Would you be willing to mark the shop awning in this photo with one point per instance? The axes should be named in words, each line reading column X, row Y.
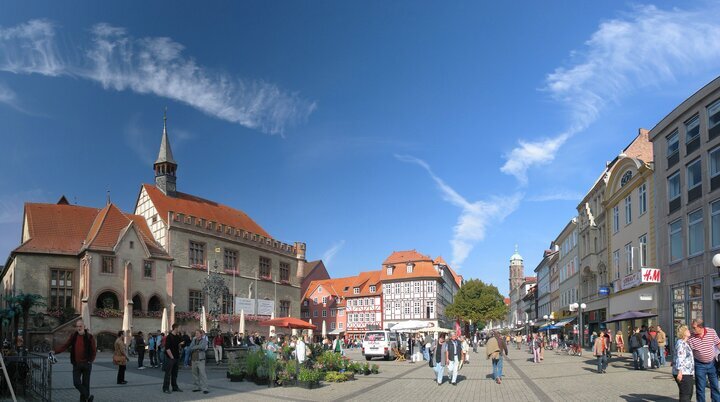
column 630, row 315
column 565, row 322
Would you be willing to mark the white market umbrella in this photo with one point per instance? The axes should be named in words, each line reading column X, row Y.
column 294, row 332
column 203, row 320
column 324, row 330
column 164, row 322
column 85, row 314
column 409, row 325
column 242, row 322
column 127, row 320
column 310, row 331
column 272, row 327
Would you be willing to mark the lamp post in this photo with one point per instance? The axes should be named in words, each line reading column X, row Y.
column 580, row 307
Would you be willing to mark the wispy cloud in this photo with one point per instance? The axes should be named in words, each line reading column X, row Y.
column 562, row 195
column 643, row 48
column 153, row 65
column 475, row 217
column 330, row 253
column 7, row 95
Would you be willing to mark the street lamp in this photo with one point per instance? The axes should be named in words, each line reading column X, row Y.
column 582, row 306
column 716, row 261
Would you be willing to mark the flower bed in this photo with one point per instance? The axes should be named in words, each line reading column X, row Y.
column 108, row 313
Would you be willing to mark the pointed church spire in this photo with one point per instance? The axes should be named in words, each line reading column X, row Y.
column 165, row 165
column 165, row 154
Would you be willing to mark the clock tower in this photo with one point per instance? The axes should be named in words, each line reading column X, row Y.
column 517, row 270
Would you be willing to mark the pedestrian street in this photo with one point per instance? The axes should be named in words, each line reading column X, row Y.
column 557, row 378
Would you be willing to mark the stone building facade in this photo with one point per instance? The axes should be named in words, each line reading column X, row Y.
column 204, row 235
column 101, row 260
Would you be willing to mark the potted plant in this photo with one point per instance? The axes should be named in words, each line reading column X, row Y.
column 366, row 369
column 334, row 376
column 262, row 375
column 309, row 378
column 272, row 366
column 287, row 373
column 375, row 369
column 236, row 372
column 252, row 361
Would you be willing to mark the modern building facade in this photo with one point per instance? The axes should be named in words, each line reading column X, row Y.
column 686, row 145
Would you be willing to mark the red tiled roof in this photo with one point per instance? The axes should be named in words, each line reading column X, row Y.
column 69, row 229
column 405, row 256
column 507, row 301
column 364, row 281
column 201, row 208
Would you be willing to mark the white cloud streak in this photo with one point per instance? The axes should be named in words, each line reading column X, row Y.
column 153, row 65
column 641, row 49
column 557, row 196
column 475, row 217
column 7, row 95
column 330, row 253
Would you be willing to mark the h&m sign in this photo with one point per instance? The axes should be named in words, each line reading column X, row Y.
column 644, row 275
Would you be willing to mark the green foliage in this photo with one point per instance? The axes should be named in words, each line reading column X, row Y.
column 375, row 369
column 309, row 375
column 21, row 306
column 330, row 361
column 477, row 301
column 316, row 350
column 262, row 372
column 334, row 376
column 366, row 368
column 253, row 361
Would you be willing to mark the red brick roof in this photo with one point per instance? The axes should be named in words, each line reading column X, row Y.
column 69, row 229
column 405, row 256
column 201, row 208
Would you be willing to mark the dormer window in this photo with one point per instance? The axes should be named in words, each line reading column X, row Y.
column 319, row 288
column 346, row 288
column 356, row 291
column 410, row 266
column 372, row 288
column 390, row 269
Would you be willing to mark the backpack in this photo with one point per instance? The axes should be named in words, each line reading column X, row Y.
column 634, row 342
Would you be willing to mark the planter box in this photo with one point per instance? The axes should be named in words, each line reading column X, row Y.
column 289, row 383
column 236, row 377
column 308, row 385
column 261, row 381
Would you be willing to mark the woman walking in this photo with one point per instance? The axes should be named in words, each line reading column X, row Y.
column 683, row 366
column 536, row 345
column 120, row 357
column 600, row 351
column 620, row 343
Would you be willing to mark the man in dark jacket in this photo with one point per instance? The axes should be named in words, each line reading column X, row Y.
column 172, row 356
column 82, row 354
column 140, row 349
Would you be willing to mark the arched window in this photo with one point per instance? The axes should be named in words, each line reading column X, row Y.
column 137, row 303
column 108, row 299
column 155, row 304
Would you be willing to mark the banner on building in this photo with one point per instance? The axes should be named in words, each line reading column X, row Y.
column 264, row 307
column 637, row 278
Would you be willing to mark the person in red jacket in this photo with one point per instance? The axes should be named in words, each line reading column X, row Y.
column 218, row 347
column 82, row 354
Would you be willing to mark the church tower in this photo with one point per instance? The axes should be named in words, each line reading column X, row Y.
column 165, row 166
column 517, row 270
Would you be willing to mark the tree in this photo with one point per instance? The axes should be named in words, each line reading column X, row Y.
column 479, row 302
column 21, row 305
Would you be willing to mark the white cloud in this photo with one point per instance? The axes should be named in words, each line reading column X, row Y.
column 645, row 48
column 7, row 95
column 330, row 253
column 155, row 66
column 475, row 217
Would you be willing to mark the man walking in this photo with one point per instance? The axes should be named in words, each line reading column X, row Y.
column 151, row 351
column 495, row 349
column 172, row 354
column 703, row 343
column 454, row 352
column 600, row 351
column 82, row 355
column 198, row 348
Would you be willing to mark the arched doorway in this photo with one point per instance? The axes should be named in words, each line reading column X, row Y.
column 154, row 304
column 108, row 299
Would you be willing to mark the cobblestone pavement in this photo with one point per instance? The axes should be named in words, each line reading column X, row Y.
column 557, row 378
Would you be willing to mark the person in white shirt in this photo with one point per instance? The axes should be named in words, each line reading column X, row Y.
column 300, row 351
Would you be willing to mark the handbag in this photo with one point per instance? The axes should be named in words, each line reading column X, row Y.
column 119, row 360
column 431, row 362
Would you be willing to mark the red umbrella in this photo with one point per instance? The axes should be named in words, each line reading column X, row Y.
column 288, row 322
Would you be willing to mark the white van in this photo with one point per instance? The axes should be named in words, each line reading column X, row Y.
column 379, row 344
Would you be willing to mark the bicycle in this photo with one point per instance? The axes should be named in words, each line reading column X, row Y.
column 42, row 347
column 575, row 350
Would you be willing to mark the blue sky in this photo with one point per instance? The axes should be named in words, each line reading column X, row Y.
column 357, row 127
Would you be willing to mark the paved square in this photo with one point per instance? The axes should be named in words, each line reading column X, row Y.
column 558, row 378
